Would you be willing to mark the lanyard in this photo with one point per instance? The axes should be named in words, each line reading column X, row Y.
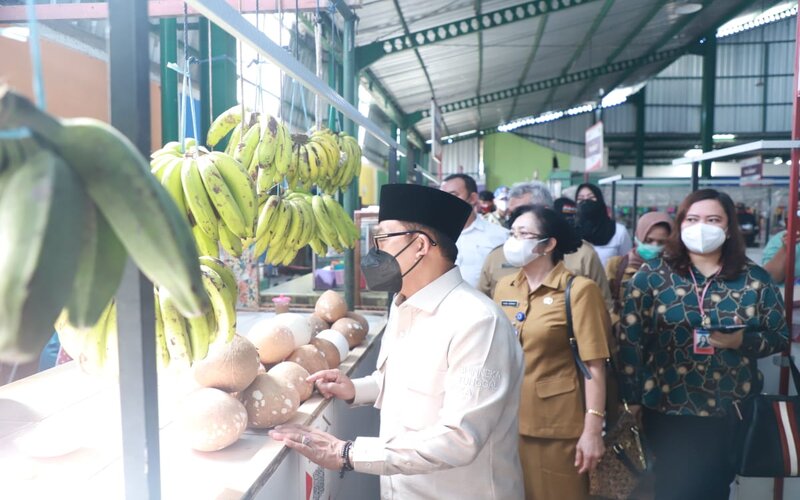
column 701, row 297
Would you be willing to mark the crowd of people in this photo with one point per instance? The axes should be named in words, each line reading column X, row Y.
column 513, row 314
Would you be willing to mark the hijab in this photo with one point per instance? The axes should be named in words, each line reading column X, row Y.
column 643, row 226
column 593, row 222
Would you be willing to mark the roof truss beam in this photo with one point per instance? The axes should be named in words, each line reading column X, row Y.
column 550, row 83
column 368, row 54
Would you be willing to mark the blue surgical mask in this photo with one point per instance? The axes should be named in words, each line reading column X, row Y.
column 648, row 251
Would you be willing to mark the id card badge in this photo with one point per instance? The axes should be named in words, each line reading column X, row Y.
column 701, row 341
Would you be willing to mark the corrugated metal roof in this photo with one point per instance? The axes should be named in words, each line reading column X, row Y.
column 495, row 59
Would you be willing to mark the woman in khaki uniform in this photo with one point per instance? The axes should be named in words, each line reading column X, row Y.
column 561, row 411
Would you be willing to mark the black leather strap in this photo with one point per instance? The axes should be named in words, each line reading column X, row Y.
column 573, row 344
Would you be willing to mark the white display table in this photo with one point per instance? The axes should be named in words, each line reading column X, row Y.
column 60, row 437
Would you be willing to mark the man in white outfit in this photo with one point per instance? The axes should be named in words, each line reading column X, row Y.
column 479, row 236
column 448, row 373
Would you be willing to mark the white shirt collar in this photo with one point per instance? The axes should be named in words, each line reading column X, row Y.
column 429, row 298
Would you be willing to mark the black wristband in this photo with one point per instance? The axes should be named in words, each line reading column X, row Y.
column 346, row 464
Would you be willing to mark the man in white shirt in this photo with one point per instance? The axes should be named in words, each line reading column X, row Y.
column 479, row 237
column 448, row 373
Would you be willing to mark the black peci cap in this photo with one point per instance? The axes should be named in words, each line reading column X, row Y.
column 423, row 205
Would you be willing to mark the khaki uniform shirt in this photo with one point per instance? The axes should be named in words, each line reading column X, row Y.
column 552, row 402
column 447, row 383
column 583, row 262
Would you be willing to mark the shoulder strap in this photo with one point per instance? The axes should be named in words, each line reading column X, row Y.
column 573, row 344
column 622, row 264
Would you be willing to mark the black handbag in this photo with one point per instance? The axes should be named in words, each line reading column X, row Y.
column 771, row 442
column 573, row 344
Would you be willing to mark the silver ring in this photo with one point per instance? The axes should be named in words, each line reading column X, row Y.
column 305, row 440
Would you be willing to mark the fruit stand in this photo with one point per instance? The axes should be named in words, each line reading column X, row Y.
column 60, row 437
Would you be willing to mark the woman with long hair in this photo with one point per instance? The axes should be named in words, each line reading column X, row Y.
column 608, row 237
column 693, row 326
column 561, row 410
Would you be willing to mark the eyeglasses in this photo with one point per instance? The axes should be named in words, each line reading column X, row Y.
column 378, row 237
column 523, row 235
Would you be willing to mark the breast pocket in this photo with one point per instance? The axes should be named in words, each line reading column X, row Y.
column 551, row 407
column 423, row 399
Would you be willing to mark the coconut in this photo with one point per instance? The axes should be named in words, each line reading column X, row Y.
column 361, row 320
column 228, row 366
column 338, row 340
column 317, row 324
column 269, row 401
column 309, row 358
column 328, row 351
column 298, row 324
column 295, row 376
column 331, row 306
column 273, row 341
column 351, row 329
column 211, row 420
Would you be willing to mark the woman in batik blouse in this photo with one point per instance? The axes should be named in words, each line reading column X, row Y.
column 693, row 326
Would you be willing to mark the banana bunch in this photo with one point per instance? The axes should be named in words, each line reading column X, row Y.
column 351, row 166
column 76, row 199
column 215, row 193
column 316, row 159
column 180, row 341
column 288, row 223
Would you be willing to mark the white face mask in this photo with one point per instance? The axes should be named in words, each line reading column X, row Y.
column 519, row 253
column 703, row 238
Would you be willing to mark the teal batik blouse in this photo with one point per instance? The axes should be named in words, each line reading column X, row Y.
column 658, row 367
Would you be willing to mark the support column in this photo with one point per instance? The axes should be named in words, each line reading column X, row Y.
column 224, row 80
column 350, row 84
column 708, row 99
column 168, row 43
column 129, row 83
column 639, row 103
column 204, row 77
column 404, row 161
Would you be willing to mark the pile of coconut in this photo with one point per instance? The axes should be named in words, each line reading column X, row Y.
column 259, row 380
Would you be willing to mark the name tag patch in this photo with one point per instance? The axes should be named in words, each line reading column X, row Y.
column 509, row 303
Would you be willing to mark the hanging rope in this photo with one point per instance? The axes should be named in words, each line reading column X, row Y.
column 36, row 55
column 182, row 107
column 241, row 83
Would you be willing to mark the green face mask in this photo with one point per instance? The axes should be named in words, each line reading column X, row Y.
column 648, row 251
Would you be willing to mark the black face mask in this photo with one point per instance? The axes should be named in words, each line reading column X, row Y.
column 590, row 208
column 382, row 271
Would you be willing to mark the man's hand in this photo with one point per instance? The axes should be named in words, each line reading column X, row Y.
column 333, row 383
column 319, row 447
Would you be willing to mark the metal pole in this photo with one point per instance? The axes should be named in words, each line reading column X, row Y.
column 332, row 83
column 791, row 228
column 168, row 43
column 318, row 66
column 351, row 196
column 695, row 176
column 639, row 102
column 129, row 65
column 614, row 197
column 635, row 205
column 404, row 161
column 392, row 166
column 708, row 98
column 204, row 33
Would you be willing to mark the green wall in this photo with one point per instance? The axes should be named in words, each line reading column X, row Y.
column 509, row 158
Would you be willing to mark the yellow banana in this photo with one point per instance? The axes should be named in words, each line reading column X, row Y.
column 223, row 124
column 241, row 187
column 175, row 333
column 263, row 185
column 325, row 226
column 221, row 197
column 247, row 147
column 337, row 216
column 162, row 354
column 235, row 139
column 223, row 301
column 159, row 164
column 199, row 337
column 229, row 241
column 269, row 211
column 206, row 246
column 197, row 198
column 295, row 227
column 224, row 271
column 171, row 180
column 268, row 145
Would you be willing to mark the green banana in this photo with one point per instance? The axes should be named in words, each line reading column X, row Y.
column 241, row 187
column 205, row 245
column 246, row 149
column 223, row 302
column 199, row 337
column 233, row 142
column 99, row 273
column 197, row 199
column 43, row 209
column 268, row 211
column 268, row 144
column 221, row 197
column 224, row 271
column 171, row 180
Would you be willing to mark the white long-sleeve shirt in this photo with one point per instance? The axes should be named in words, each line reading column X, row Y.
column 447, row 384
column 475, row 244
